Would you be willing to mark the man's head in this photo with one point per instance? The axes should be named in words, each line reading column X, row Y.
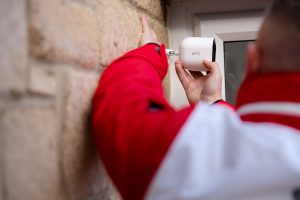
column 278, row 44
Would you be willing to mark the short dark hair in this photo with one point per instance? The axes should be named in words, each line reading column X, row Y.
column 287, row 11
column 279, row 37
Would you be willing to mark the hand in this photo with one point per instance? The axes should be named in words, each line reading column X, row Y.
column 199, row 87
column 148, row 35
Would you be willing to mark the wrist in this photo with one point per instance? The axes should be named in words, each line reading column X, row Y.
column 155, row 43
column 217, row 101
column 212, row 99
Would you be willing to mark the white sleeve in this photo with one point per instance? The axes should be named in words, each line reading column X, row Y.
column 217, row 156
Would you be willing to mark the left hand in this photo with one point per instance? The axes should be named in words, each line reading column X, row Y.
column 148, row 35
column 199, row 87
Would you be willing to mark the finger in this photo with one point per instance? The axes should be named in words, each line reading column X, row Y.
column 183, row 76
column 212, row 67
column 145, row 25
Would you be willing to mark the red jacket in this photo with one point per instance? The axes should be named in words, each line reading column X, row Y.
column 152, row 151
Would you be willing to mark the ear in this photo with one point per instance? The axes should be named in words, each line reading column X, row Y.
column 253, row 59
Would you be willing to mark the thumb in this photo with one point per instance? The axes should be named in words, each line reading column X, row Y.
column 210, row 66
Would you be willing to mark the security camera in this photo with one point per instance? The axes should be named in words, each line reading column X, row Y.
column 193, row 50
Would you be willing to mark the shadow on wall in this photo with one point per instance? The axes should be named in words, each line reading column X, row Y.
column 83, row 174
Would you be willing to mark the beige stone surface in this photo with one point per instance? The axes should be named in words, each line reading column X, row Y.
column 13, row 51
column 52, row 53
column 154, row 7
column 1, row 154
column 121, row 29
column 30, row 154
column 89, row 33
column 42, row 79
column 64, row 31
column 84, row 175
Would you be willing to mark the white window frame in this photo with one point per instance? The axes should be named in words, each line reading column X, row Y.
column 200, row 18
column 227, row 27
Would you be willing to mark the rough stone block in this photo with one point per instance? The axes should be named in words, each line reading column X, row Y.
column 89, row 33
column 64, row 31
column 154, row 7
column 42, row 79
column 1, row 157
column 121, row 29
column 84, row 176
column 13, row 51
column 30, row 154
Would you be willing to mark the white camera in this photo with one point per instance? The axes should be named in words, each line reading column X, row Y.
column 193, row 50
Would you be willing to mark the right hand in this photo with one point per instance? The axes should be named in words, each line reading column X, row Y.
column 148, row 35
column 199, row 87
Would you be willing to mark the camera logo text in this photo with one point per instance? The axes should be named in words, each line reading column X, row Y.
column 196, row 53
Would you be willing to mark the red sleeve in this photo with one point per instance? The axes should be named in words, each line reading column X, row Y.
column 133, row 124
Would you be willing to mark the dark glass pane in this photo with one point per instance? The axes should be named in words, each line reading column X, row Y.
column 235, row 66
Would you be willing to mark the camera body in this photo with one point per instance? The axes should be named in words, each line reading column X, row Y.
column 193, row 50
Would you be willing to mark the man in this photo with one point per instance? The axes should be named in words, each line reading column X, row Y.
column 207, row 150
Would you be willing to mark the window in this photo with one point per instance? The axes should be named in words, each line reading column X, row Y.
column 235, row 67
column 232, row 32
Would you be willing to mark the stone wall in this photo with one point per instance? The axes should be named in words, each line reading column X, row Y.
column 51, row 56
